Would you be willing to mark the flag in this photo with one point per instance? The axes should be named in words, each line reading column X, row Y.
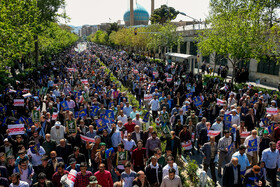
column 260, row 131
column 227, row 119
column 244, row 134
column 35, row 149
column 230, row 149
column 253, row 145
column 272, row 111
column 100, row 124
column 187, row 146
column 232, row 130
column 25, row 90
column 146, row 117
column 4, row 120
column 83, row 113
column 197, row 101
column 265, row 121
column 94, row 110
column 189, row 95
column 54, row 115
column 18, row 102
column 21, row 120
column 109, row 152
column 16, row 129
column 77, row 94
column 220, row 102
column 87, row 139
column 168, row 79
column 110, row 115
column 35, row 116
column 166, row 130
column 213, row 133
column 3, row 109
column 29, row 121
column 64, row 105
column 12, row 91
column 270, row 128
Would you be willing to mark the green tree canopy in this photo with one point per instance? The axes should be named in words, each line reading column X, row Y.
column 163, row 15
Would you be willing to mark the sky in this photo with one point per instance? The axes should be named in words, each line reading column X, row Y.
column 94, row 12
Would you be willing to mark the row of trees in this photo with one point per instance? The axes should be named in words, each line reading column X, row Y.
column 29, row 32
column 241, row 30
column 153, row 37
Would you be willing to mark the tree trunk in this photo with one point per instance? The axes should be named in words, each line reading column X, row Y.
column 36, row 50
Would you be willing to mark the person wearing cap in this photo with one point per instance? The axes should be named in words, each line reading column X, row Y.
column 252, row 155
column 209, row 151
column 271, row 157
column 73, row 165
column 223, row 145
column 242, row 159
column 7, row 148
column 42, row 181
column 235, row 119
column 57, row 132
column 252, row 177
column 82, row 178
column 264, row 143
column 93, row 182
column 46, row 168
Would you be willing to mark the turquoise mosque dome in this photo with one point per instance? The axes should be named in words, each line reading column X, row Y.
column 141, row 16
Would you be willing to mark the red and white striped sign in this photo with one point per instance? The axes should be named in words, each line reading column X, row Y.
column 153, row 83
column 244, row 134
column 16, row 129
column 84, row 81
column 12, row 91
column 213, row 133
column 54, row 115
column 168, row 79
column 155, row 73
column 136, row 71
column 71, row 177
column 87, row 139
column 187, row 146
column 148, row 97
column 71, row 69
column 220, row 102
column 25, row 90
column 272, row 111
column 27, row 95
column 18, row 102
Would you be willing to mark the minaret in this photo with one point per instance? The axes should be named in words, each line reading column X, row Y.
column 152, row 7
column 131, row 13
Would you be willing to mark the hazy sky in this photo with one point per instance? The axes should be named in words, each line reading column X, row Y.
column 100, row 11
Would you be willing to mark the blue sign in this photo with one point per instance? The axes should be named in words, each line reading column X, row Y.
column 83, row 113
column 100, row 124
column 253, row 145
column 109, row 152
column 64, row 105
column 270, row 128
column 110, row 115
column 146, row 117
column 197, row 101
column 227, row 119
column 94, row 110
column 189, row 95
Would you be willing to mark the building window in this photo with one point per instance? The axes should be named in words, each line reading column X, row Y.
column 193, row 48
column 244, row 64
column 268, row 66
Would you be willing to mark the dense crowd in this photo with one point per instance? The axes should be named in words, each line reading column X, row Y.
column 69, row 124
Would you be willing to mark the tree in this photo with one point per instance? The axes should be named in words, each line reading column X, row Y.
column 163, row 15
column 237, row 31
column 113, row 27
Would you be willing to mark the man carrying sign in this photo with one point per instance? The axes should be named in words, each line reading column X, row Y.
column 223, row 145
column 252, row 155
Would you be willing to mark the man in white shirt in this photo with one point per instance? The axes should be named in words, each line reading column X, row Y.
column 235, row 118
column 138, row 121
column 129, row 144
column 154, row 103
column 16, row 182
column 170, row 164
column 218, row 126
column 122, row 117
column 57, row 132
column 35, row 154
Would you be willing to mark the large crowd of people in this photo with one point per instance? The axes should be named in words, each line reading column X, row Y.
column 69, row 124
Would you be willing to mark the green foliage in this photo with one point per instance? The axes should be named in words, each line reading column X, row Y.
column 206, row 78
column 163, row 15
column 237, row 32
column 192, row 168
column 100, row 37
column 113, row 27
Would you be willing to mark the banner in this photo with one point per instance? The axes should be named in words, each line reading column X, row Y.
column 148, row 97
column 155, row 74
column 232, row 130
column 100, row 124
column 197, row 101
column 87, row 139
column 272, row 111
column 260, row 131
column 16, row 129
column 84, row 81
column 25, row 90
column 213, row 133
column 94, row 110
column 189, row 95
column 3, row 109
column 244, row 134
column 230, row 148
column 187, row 146
column 27, row 95
column 109, row 152
column 54, row 115
column 253, row 145
column 270, row 128
column 35, row 116
column 64, row 105
column 110, row 115
column 71, row 177
column 168, row 79
column 18, row 102
column 146, row 117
